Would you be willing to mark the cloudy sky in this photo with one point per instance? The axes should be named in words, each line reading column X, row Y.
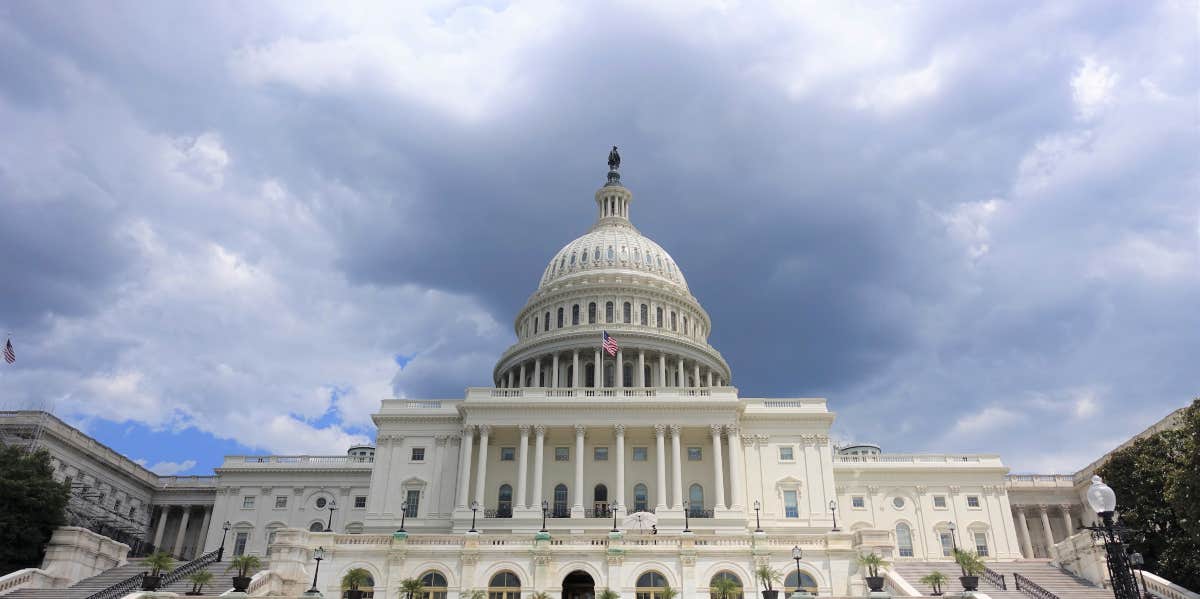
column 235, row 227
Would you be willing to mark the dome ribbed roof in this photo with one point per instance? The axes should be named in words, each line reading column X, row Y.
column 614, row 248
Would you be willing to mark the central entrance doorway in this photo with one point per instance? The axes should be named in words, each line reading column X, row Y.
column 578, row 585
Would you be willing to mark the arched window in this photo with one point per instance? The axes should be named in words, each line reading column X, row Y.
column 904, row 542
column 592, row 312
column 367, row 588
column 696, row 500
column 802, row 579
column 686, row 330
column 560, row 318
column 316, row 527
column 570, row 375
column 627, row 375
column 610, row 371
column 435, row 585
column 672, row 320
column 560, row 501
column 657, row 317
column 597, row 255
column 640, row 498
column 981, row 544
column 734, row 593
column 575, row 314
column 627, row 313
column 645, row 314
column 504, row 502
column 650, row 585
column 608, row 312
column 535, row 325
column 600, row 501
column 504, row 585
column 611, row 254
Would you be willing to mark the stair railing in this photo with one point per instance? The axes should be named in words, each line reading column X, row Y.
column 995, row 578
column 193, row 566
column 1031, row 588
column 134, row 582
column 120, row 589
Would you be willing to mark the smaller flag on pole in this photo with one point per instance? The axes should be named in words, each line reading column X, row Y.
column 10, row 356
column 609, row 344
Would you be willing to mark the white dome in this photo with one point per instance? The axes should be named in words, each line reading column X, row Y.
column 613, row 247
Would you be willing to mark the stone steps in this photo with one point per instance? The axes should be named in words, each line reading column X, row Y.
column 222, row 581
column 1041, row 572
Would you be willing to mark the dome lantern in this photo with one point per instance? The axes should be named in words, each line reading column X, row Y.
column 612, row 200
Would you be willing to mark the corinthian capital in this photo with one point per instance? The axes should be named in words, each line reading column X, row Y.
column 485, row 429
column 619, row 429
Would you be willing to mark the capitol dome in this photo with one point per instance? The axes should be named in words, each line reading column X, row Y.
column 614, row 280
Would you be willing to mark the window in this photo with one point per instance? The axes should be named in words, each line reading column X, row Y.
column 504, row 502
column 786, row 455
column 507, row 454
column 904, row 542
column 673, row 321
column 535, row 326
column 562, row 454
column 321, row 501
column 973, row 501
column 658, row 317
column 791, row 507
column 947, row 543
column 270, row 540
column 575, row 314
column 239, row 542
column 650, row 586
column 600, row 454
column 627, row 313
column 731, row 577
column 597, row 253
column 560, row 318
column 546, row 323
column 898, row 502
column 685, row 325
column 412, row 502
column 645, row 314
column 280, row 501
column 418, row 454
column 801, row 579
column 600, row 500
column 611, row 254
column 434, row 583
column 858, row 501
column 248, row 502
column 360, row 501
column 696, row 501
column 640, row 495
column 560, row 501
column 981, row 546
column 367, row 588
column 592, row 311
column 939, row 501
column 694, row 454
column 608, row 312
column 639, row 454
column 316, row 527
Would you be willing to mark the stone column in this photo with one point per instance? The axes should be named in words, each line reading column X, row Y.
column 641, row 373
column 521, row 383
column 1066, row 515
column 598, row 372
column 579, row 430
column 537, row 372
column 199, row 549
column 1023, row 533
column 539, row 433
column 682, row 378
column 481, row 468
column 1046, row 530
column 162, row 525
column 522, row 466
column 696, row 373
column 718, row 467
column 620, row 498
column 619, row 371
column 738, row 479
column 676, row 468
column 661, row 491
column 709, row 373
column 464, row 461
column 554, row 375
column 177, row 549
column 662, row 370
column 576, row 375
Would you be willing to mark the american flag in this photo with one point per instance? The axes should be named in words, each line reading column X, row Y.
column 609, row 345
column 10, row 356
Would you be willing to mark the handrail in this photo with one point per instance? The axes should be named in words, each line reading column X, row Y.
column 1032, row 588
column 201, row 562
column 121, row 588
column 995, row 578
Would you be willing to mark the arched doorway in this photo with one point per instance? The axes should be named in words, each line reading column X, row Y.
column 578, row 585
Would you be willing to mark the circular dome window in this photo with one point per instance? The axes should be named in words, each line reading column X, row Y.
column 898, row 502
column 320, row 502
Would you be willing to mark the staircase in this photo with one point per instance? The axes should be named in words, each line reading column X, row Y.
column 1057, row 581
column 222, row 581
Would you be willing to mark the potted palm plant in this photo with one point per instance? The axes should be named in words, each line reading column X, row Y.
column 243, row 564
column 972, row 566
column 354, row 578
column 478, row 594
column 198, row 580
column 607, row 594
column 873, row 563
column 668, row 593
column 540, row 595
column 412, row 587
column 768, row 576
column 935, row 580
column 721, row 588
column 158, row 562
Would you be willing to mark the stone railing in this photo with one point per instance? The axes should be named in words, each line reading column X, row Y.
column 1022, row 481
column 1157, row 586
column 631, row 393
column 916, row 458
column 295, row 461
column 897, row 586
column 28, row 578
column 187, row 481
column 1082, row 555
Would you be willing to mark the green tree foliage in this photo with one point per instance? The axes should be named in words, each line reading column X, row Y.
column 1157, row 482
column 32, row 505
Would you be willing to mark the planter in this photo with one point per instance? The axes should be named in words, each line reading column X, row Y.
column 151, row 583
column 969, row 583
column 354, row 594
column 770, row 594
column 241, row 583
column 875, row 583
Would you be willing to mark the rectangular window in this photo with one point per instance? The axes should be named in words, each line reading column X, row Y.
column 600, row 454
column 645, row 315
column 608, row 312
column 673, row 321
column 412, row 501
column 560, row 318
column 239, row 543
column 790, row 505
column 786, row 455
column 562, row 454
column 360, row 501
column 939, row 501
column 947, row 544
column 694, row 454
column 418, row 454
column 639, row 454
column 658, row 317
column 627, row 313
column 858, row 502
column 972, row 501
column 280, row 501
column 592, row 313
column 248, row 502
column 508, row 454
column 981, row 543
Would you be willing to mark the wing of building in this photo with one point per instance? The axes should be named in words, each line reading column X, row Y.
column 582, row 468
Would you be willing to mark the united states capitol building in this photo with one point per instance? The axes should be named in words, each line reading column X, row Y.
column 580, row 470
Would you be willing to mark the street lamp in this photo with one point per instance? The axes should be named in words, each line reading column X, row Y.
column 954, row 544
column 474, row 508
column 318, row 554
column 1103, row 500
column 686, row 508
column 545, row 510
column 833, row 510
column 757, row 522
column 220, row 550
column 403, row 515
column 798, row 555
column 614, row 511
column 332, row 507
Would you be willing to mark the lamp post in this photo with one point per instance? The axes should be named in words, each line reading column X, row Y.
column 403, row 515
column 474, row 508
column 220, row 550
column 1103, row 500
column 798, row 555
column 614, row 512
column 545, row 510
column 954, row 544
column 686, row 508
column 833, row 510
column 757, row 522
column 318, row 554
column 332, row 507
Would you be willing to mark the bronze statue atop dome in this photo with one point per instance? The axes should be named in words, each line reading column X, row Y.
column 614, row 159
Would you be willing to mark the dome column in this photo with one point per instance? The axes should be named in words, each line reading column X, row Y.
column 696, row 371
column 718, row 468
column 598, row 371
column 619, row 371
column 710, row 377
column 537, row 372
column 641, row 373
column 510, row 378
column 575, row 374
column 682, row 378
column 662, row 370
column 554, row 377
column 521, row 383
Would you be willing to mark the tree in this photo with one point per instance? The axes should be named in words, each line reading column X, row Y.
column 412, row 587
column 768, row 576
column 970, row 562
column 722, row 588
column 32, row 505
column 1157, row 482
column 935, row 580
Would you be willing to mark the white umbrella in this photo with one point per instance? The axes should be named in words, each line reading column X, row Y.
column 640, row 521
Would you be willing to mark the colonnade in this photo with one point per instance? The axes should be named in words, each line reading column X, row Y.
column 1043, row 512
column 532, row 501
column 183, row 545
column 563, row 369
